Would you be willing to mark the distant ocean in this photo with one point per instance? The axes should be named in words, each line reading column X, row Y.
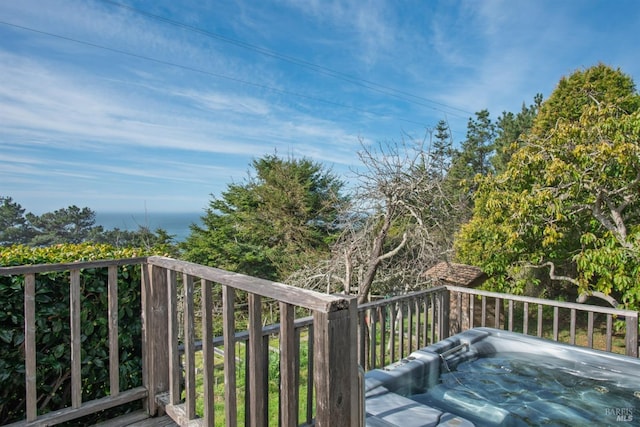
column 176, row 224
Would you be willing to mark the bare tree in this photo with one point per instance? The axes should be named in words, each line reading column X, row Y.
column 400, row 222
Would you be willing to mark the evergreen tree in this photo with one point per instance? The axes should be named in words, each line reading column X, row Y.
column 273, row 224
column 510, row 130
column 67, row 225
column 441, row 150
column 14, row 228
column 474, row 155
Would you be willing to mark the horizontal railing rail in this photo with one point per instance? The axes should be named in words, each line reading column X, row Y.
column 287, row 294
column 77, row 265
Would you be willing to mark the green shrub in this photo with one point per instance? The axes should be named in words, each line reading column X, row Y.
column 53, row 327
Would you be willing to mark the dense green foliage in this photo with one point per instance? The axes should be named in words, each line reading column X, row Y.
column 568, row 197
column 53, row 327
column 271, row 225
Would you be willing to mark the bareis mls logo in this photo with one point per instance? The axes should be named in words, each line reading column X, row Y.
column 621, row 414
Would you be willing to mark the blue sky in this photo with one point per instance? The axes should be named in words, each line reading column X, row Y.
column 158, row 105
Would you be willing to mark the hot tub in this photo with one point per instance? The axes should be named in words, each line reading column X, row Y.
column 490, row 377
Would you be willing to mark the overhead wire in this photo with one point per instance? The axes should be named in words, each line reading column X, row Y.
column 206, row 72
column 368, row 84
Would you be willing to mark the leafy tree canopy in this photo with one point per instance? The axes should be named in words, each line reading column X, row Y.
column 568, row 198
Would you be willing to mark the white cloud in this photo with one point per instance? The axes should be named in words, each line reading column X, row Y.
column 69, row 109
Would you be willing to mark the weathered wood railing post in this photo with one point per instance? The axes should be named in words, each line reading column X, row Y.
column 335, row 364
column 155, row 337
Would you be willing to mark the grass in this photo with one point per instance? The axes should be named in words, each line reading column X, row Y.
column 273, row 400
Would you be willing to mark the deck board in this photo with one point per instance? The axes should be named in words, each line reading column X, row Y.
column 138, row 419
column 164, row 421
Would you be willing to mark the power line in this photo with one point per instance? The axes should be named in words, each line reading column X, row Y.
column 205, row 72
column 370, row 85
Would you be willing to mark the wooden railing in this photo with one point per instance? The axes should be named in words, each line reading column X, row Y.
column 185, row 306
column 392, row 328
column 333, row 358
column 515, row 313
column 169, row 350
column 78, row 408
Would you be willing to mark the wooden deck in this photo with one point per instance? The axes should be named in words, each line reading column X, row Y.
column 317, row 354
column 165, row 421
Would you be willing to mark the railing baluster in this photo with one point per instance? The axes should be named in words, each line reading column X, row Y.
column 374, row 337
column 472, row 313
column 525, row 319
column 609, row 331
column 175, row 394
column 409, row 327
column 362, row 337
column 443, row 318
column 401, row 331
column 483, row 323
column 382, row 314
column 288, row 367
column 207, row 352
column 30, row 345
column 555, row 323
column 266, row 352
column 572, row 327
column 425, row 320
column 112, row 315
column 298, row 369
column 76, row 349
column 189, row 350
column 590, row 329
column 228, row 332
column 247, row 380
column 496, row 319
column 510, row 315
column 432, row 318
column 459, row 327
column 631, row 337
column 392, row 331
column 416, row 303
column 540, row 320
column 256, row 359
column 310, row 373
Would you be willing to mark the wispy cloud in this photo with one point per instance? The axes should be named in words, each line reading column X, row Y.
column 184, row 112
column 79, row 109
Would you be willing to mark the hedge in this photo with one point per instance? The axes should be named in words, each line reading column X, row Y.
column 53, row 328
